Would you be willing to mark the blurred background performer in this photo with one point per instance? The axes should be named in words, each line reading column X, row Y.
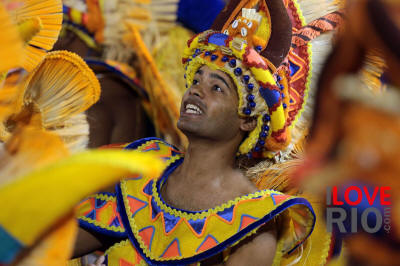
column 355, row 137
column 142, row 80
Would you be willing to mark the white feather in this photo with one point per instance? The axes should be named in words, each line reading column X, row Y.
column 251, row 14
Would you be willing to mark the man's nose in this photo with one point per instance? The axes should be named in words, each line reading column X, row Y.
column 197, row 90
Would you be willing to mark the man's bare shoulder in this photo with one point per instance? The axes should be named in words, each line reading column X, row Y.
column 259, row 249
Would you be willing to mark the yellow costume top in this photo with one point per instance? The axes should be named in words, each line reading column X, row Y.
column 153, row 232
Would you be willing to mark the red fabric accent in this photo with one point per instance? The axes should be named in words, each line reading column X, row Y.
column 268, row 85
column 297, row 83
column 253, row 59
column 228, row 40
column 134, row 204
column 151, row 146
column 320, row 23
column 172, row 251
column 191, row 39
column 207, row 244
column 257, row 155
column 146, row 236
column 279, row 198
column 280, row 135
column 85, row 19
column 246, row 221
column 123, row 262
column 293, row 14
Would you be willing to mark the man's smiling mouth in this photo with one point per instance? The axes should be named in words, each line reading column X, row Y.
column 192, row 109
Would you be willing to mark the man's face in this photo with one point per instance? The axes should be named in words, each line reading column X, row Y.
column 209, row 106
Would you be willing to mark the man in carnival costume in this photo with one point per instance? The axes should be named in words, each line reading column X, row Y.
column 238, row 104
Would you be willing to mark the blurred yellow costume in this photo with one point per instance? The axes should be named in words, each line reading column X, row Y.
column 41, row 123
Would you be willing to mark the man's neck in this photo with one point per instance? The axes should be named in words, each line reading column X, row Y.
column 208, row 159
column 207, row 177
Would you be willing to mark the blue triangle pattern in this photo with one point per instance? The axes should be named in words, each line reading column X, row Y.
column 155, row 210
column 99, row 203
column 197, row 225
column 293, row 68
column 170, row 222
column 227, row 214
column 91, row 215
column 115, row 222
column 174, row 152
column 148, row 188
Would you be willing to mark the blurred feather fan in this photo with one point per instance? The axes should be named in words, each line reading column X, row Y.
column 39, row 23
column 53, row 97
column 10, row 43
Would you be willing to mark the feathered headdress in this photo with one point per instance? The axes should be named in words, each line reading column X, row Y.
column 249, row 42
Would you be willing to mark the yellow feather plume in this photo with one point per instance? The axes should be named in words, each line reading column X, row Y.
column 59, row 89
column 10, row 43
column 35, row 163
column 32, row 148
column 56, row 247
column 164, row 100
column 168, row 58
column 54, row 190
column 8, row 95
column 29, row 28
column 42, row 21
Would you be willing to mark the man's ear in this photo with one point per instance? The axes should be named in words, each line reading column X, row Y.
column 247, row 124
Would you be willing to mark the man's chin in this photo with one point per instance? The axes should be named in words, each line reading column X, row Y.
column 188, row 127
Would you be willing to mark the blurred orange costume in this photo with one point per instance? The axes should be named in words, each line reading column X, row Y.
column 355, row 137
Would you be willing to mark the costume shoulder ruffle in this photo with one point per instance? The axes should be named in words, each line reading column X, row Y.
column 98, row 213
column 185, row 237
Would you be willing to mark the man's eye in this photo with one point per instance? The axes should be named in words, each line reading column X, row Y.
column 217, row 88
column 195, row 82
